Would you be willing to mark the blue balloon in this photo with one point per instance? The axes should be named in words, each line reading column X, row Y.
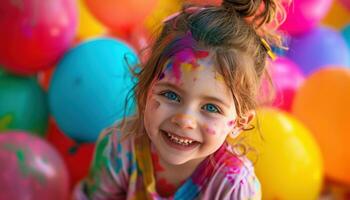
column 90, row 86
column 319, row 48
column 346, row 35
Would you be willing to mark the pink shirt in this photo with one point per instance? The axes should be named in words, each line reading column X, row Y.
column 123, row 170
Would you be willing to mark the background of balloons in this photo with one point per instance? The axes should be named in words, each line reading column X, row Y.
column 64, row 76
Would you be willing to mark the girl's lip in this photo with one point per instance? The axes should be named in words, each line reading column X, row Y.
column 177, row 146
column 180, row 137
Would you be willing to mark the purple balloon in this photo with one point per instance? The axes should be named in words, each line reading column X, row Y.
column 318, row 48
column 31, row 169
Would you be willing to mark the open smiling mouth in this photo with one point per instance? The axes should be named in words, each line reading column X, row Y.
column 178, row 142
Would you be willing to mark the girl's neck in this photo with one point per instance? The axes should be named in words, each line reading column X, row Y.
column 170, row 177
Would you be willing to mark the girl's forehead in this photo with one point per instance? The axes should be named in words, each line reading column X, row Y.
column 187, row 60
column 193, row 72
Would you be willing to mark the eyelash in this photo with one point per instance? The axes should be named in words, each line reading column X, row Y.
column 166, row 93
column 178, row 99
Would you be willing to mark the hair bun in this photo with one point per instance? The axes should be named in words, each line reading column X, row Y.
column 245, row 8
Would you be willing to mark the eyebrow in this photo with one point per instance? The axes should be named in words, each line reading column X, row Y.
column 209, row 98
column 172, row 86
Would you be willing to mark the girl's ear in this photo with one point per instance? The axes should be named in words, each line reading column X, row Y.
column 248, row 117
column 243, row 124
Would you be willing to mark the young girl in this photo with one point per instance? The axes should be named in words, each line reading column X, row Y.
column 195, row 95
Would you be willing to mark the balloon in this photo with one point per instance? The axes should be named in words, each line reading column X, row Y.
column 88, row 26
column 322, row 104
column 289, row 163
column 163, row 9
column 346, row 35
column 44, row 78
column 337, row 16
column 31, row 169
column 77, row 157
column 2, row 71
column 35, row 35
column 304, row 15
column 121, row 15
column 23, row 105
column 287, row 78
column 89, row 87
column 346, row 4
column 139, row 38
column 318, row 48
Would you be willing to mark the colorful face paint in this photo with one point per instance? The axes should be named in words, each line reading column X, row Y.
column 219, row 77
column 210, row 130
column 184, row 61
column 231, row 123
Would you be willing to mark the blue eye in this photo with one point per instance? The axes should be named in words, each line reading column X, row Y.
column 171, row 96
column 211, row 108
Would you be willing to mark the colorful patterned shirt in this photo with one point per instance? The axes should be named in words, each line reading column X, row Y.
column 123, row 169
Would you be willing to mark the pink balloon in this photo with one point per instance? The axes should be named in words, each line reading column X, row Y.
column 286, row 78
column 346, row 3
column 34, row 34
column 303, row 15
column 31, row 169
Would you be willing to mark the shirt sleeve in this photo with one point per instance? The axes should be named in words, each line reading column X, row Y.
column 248, row 186
column 234, row 184
column 104, row 181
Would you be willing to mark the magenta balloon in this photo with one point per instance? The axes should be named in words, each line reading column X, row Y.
column 287, row 78
column 34, row 34
column 31, row 169
column 303, row 15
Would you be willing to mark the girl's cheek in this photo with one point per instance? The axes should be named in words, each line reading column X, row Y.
column 231, row 123
column 210, row 130
column 154, row 104
column 219, row 127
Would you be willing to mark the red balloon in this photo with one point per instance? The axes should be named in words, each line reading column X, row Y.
column 139, row 39
column 121, row 15
column 346, row 4
column 35, row 34
column 77, row 157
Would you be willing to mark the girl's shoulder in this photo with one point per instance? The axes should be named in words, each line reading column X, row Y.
column 234, row 179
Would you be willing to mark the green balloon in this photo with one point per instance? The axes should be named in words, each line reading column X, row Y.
column 23, row 105
column 2, row 71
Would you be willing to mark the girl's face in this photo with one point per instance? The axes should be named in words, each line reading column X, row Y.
column 189, row 111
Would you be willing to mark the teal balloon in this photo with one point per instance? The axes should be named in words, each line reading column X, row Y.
column 346, row 33
column 23, row 105
column 90, row 86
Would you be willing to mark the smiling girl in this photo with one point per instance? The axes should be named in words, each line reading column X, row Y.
column 197, row 90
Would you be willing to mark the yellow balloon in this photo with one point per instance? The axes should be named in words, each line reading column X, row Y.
column 338, row 16
column 88, row 25
column 163, row 9
column 287, row 159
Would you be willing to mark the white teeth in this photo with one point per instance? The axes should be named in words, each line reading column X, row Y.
column 179, row 140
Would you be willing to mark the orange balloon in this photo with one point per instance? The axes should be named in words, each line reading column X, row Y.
column 323, row 104
column 121, row 15
column 338, row 16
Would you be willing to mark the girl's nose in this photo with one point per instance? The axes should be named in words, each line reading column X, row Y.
column 184, row 121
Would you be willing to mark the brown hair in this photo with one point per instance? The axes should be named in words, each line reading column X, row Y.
column 232, row 32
